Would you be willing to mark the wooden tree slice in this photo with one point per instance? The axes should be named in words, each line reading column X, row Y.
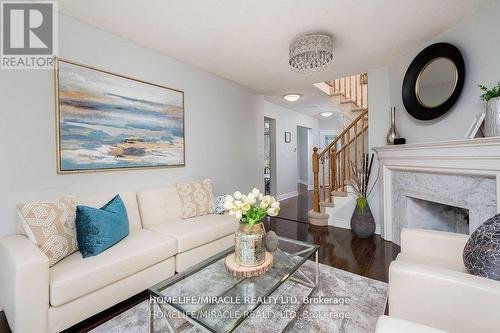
column 243, row 271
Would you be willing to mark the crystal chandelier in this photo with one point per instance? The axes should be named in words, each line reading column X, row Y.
column 311, row 53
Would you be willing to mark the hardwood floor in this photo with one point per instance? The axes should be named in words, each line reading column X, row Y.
column 339, row 248
column 296, row 208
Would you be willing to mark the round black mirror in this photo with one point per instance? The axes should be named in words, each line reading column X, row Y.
column 433, row 81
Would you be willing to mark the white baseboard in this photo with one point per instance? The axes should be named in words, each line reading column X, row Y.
column 303, row 182
column 346, row 224
column 288, row 195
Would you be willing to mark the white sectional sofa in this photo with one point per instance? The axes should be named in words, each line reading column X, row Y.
column 37, row 298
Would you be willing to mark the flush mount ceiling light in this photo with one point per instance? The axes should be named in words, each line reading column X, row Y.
column 311, row 53
column 326, row 114
column 292, row 97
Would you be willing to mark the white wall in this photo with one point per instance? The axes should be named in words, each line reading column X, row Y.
column 479, row 43
column 378, row 118
column 303, row 153
column 220, row 116
column 287, row 121
column 332, row 123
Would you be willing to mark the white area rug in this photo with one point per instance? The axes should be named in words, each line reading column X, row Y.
column 367, row 299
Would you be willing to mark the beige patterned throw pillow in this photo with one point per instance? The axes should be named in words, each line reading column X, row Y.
column 197, row 198
column 50, row 225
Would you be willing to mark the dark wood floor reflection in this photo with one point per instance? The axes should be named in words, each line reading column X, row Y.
column 339, row 248
column 296, row 208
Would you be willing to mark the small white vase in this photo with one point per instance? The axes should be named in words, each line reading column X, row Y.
column 492, row 119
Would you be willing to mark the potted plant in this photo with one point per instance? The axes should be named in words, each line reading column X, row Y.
column 250, row 211
column 492, row 119
column 362, row 222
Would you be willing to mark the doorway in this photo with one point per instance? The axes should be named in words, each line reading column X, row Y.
column 303, row 156
column 270, row 156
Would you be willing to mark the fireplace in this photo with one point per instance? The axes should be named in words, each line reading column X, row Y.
column 431, row 200
column 450, row 186
column 436, row 216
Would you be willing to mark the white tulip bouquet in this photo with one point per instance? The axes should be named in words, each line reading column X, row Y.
column 251, row 208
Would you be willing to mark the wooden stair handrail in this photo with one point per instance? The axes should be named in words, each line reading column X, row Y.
column 332, row 144
column 338, row 161
column 332, row 167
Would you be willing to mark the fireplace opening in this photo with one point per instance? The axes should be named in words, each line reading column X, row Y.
column 436, row 216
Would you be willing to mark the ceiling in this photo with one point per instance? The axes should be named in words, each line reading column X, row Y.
column 247, row 41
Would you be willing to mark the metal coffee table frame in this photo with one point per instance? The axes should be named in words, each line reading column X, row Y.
column 304, row 279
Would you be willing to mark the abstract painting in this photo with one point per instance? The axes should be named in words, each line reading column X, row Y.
column 108, row 121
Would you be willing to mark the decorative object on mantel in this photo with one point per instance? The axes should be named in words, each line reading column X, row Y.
column 362, row 222
column 240, row 271
column 310, row 53
column 475, row 127
column 492, row 119
column 399, row 141
column 433, row 81
column 288, row 137
column 393, row 131
column 482, row 252
column 250, row 250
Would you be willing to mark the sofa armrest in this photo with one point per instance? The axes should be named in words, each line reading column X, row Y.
column 24, row 284
column 386, row 324
column 435, row 244
column 444, row 299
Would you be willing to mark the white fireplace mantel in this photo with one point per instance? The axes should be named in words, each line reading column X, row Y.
column 468, row 157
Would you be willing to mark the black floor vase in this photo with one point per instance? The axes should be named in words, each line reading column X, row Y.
column 362, row 222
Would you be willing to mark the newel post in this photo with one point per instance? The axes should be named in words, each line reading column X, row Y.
column 315, row 169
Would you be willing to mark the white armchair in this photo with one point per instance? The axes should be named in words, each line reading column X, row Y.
column 429, row 284
column 387, row 324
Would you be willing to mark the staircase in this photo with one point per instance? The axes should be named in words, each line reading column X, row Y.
column 333, row 166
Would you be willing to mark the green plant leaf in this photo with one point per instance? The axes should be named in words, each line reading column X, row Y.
column 489, row 93
column 361, row 203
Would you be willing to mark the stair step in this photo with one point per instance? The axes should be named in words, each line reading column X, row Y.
column 358, row 108
column 327, row 203
column 346, row 101
column 339, row 194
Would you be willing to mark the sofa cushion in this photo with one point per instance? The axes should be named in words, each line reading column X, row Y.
column 98, row 229
column 158, row 205
column 436, row 262
column 197, row 231
column 50, row 225
column 219, row 204
column 482, row 252
column 197, row 198
column 128, row 198
column 74, row 276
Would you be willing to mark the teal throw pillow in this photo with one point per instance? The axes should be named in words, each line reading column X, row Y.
column 98, row 229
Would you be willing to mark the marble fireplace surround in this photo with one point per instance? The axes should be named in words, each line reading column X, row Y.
column 461, row 173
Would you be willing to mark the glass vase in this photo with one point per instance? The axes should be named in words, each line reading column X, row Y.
column 250, row 249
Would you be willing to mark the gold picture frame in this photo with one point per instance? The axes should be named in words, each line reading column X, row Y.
column 92, row 103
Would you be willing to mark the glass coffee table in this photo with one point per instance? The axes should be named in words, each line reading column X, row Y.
column 214, row 300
